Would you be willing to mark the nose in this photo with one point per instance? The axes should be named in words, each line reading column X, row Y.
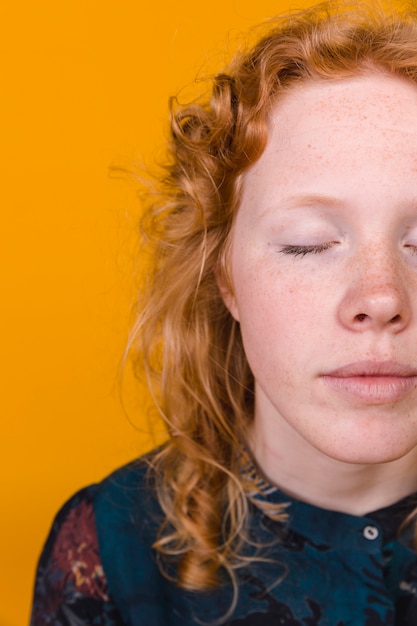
column 378, row 298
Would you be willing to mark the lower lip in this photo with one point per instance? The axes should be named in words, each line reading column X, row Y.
column 373, row 389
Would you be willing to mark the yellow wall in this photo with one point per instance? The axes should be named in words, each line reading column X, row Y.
column 83, row 83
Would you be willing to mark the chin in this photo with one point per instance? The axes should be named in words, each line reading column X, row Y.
column 371, row 453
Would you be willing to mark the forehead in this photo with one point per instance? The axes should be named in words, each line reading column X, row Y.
column 330, row 131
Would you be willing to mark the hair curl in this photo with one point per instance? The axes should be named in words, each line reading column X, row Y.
column 184, row 336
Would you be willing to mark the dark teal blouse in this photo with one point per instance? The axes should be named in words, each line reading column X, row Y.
column 322, row 568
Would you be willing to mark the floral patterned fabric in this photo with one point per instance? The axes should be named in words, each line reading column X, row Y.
column 323, row 568
column 71, row 586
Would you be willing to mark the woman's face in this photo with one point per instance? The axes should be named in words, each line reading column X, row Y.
column 324, row 269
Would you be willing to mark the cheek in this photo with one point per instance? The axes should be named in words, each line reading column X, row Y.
column 266, row 299
column 263, row 305
column 283, row 320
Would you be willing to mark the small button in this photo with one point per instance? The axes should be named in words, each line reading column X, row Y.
column 370, row 532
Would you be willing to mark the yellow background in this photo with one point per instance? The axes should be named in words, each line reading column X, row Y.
column 83, row 83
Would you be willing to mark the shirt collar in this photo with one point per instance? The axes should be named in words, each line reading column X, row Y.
column 308, row 518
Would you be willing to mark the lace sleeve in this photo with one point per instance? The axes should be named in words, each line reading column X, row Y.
column 71, row 586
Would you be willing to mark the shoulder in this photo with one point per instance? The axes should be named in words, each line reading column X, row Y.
column 100, row 542
column 126, row 508
column 72, row 540
column 124, row 499
column 70, row 581
column 128, row 490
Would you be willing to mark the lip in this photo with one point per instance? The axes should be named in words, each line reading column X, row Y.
column 373, row 382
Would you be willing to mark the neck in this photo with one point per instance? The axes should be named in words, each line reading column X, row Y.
column 305, row 473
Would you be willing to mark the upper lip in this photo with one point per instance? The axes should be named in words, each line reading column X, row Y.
column 373, row 368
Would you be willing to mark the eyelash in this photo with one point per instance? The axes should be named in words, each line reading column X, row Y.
column 322, row 247
column 303, row 250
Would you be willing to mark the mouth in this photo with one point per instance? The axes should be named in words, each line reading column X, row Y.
column 373, row 382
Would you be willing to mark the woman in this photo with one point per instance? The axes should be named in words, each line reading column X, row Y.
column 284, row 296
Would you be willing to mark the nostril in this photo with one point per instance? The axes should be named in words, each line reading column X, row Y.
column 394, row 319
column 361, row 317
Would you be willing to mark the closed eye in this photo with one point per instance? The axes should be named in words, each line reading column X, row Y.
column 303, row 250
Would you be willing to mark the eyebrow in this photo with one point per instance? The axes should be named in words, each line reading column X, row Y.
column 306, row 199
column 311, row 199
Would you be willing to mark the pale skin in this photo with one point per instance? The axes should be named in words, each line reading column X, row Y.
column 324, row 271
